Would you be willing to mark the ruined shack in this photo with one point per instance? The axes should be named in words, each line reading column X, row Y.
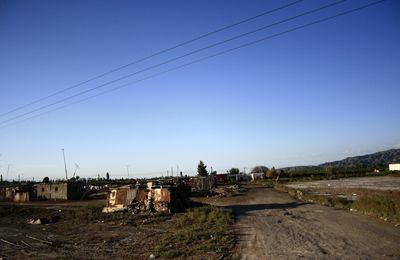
column 151, row 197
column 221, row 179
column 60, row 190
column 119, row 198
column 202, row 185
column 17, row 193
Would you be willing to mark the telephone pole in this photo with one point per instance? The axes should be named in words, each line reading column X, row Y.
column 65, row 164
column 8, row 170
column 127, row 170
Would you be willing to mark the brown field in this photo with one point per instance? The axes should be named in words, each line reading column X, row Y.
column 374, row 196
column 81, row 231
column 371, row 183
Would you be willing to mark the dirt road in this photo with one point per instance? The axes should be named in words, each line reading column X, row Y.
column 271, row 225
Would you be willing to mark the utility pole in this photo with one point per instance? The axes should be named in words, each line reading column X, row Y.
column 8, row 170
column 177, row 170
column 211, row 170
column 172, row 171
column 127, row 170
column 65, row 165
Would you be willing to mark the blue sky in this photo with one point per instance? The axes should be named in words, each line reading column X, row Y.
column 322, row 93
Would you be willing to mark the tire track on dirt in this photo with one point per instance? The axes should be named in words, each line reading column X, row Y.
column 271, row 225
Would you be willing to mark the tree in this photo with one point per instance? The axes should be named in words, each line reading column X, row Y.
column 234, row 171
column 271, row 173
column 1, row 178
column 108, row 176
column 213, row 173
column 46, row 179
column 202, row 169
column 260, row 169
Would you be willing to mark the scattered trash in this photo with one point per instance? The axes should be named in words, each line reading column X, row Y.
column 43, row 221
column 26, row 244
column 35, row 221
column 40, row 240
column 152, row 257
column 8, row 242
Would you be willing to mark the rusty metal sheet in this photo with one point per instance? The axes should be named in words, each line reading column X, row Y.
column 141, row 195
column 162, row 195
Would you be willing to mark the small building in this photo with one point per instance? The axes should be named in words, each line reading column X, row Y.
column 257, row 176
column 120, row 198
column 22, row 193
column 60, row 190
column 394, row 167
column 242, row 177
column 202, row 184
column 221, row 179
column 150, row 197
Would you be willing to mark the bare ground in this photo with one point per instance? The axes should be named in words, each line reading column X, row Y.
column 383, row 183
column 272, row 225
column 83, row 232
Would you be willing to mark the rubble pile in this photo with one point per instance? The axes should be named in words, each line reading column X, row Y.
column 226, row 191
column 152, row 197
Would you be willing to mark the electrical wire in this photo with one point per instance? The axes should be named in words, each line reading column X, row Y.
column 172, row 60
column 207, row 57
column 151, row 56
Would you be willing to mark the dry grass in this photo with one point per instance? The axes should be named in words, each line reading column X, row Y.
column 206, row 229
column 382, row 204
column 378, row 203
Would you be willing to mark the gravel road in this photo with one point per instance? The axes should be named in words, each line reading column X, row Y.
column 271, row 225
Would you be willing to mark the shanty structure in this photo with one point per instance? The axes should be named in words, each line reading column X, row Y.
column 221, row 179
column 16, row 194
column 119, row 198
column 202, row 184
column 60, row 190
column 257, row 176
column 146, row 198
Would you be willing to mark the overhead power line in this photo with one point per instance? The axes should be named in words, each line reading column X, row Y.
column 172, row 60
column 208, row 57
column 152, row 55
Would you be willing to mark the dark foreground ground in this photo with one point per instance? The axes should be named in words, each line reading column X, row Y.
column 268, row 225
column 271, row 225
column 81, row 231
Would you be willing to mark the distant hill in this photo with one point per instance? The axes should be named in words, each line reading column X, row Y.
column 381, row 159
column 368, row 160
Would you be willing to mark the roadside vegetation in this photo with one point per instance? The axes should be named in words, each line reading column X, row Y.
column 202, row 231
column 383, row 204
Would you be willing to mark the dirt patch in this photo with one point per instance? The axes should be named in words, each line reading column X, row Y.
column 272, row 225
column 374, row 196
column 83, row 232
column 372, row 183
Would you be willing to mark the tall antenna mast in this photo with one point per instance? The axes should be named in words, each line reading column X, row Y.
column 65, row 164
column 76, row 169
